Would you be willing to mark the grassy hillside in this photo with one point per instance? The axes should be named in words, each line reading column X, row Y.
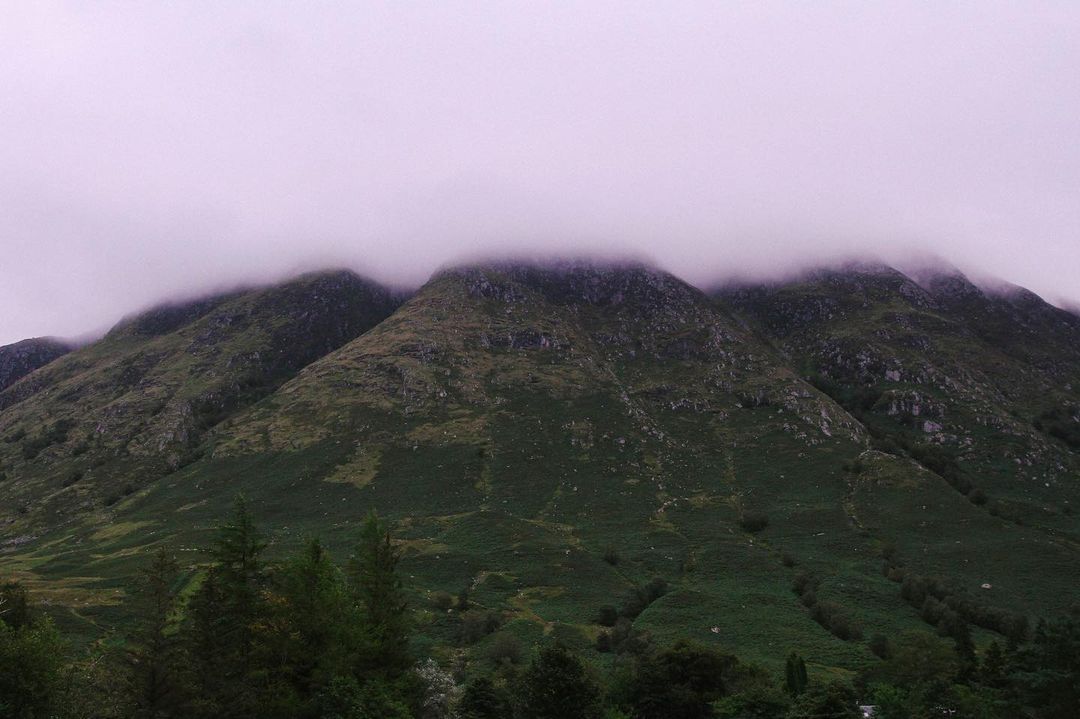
column 112, row 417
column 551, row 441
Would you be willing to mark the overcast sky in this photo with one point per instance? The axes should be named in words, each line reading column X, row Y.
column 154, row 149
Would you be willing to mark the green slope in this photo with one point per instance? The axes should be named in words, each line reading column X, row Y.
column 526, row 427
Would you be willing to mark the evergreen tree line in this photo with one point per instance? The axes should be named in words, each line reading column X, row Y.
column 306, row 638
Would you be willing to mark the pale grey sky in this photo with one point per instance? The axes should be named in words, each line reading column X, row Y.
column 155, row 149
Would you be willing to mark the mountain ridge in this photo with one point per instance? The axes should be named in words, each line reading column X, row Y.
column 520, row 423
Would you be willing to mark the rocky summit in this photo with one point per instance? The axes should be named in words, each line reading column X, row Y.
column 790, row 461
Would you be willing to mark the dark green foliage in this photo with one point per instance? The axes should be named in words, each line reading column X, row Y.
column 223, row 617
column 880, row 645
column 347, row 698
column 442, row 601
column 836, row 619
column 15, row 609
column 55, row 434
column 504, row 649
column 916, row 658
column 757, row 702
column 607, row 616
column 753, row 522
column 1047, row 671
column 992, row 670
column 482, row 699
column 679, row 682
column 31, row 661
column 477, row 624
column 829, row 615
column 623, row 638
column 641, row 597
column 312, row 631
column 795, row 675
column 556, row 685
column 375, row 584
column 835, row 700
column 155, row 656
column 1062, row 423
column 15, row 435
column 941, row 607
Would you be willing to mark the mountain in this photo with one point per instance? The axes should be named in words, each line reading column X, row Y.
column 104, row 420
column 982, row 386
column 551, row 440
column 20, row 359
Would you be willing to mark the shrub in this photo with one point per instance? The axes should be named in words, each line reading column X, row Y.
column 641, row 597
column 611, row 556
column 879, row 645
column 753, row 522
column 443, row 601
column 477, row 624
column 505, row 648
column 607, row 616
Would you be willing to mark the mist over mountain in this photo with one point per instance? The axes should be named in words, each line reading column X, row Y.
column 551, row 361
column 157, row 152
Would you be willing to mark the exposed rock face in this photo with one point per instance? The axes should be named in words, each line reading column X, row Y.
column 938, row 360
column 22, row 358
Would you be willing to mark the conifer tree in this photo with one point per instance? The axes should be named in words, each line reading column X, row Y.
column 224, row 614
column 375, row 583
column 795, row 675
column 31, row 657
column 156, row 655
column 312, row 625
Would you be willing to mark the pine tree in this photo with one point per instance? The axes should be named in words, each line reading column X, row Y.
column 31, row 657
column 795, row 675
column 223, row 616
column 312, row 625
column 241, row 577
column 155, row 657
column 380, row 596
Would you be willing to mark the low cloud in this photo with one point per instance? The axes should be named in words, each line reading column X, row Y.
column 159, row 150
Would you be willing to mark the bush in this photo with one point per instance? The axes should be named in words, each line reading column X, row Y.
column 477, row 624
column 642, row 597
column 505, row 648
column 753, row 522
column 611, row 556
column 442, row 601
column 879, row 645
column 607, row 616
column 836, row 620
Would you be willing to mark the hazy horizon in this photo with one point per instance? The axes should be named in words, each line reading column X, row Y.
column 160, row 151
